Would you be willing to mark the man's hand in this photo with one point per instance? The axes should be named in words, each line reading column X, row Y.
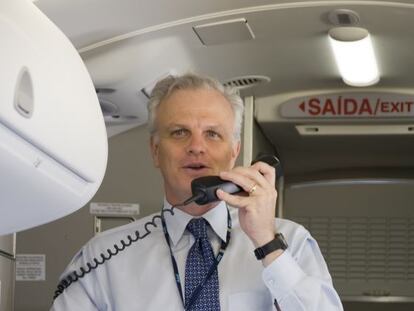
column 257, row 210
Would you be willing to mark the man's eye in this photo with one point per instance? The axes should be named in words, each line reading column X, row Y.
column 179, row 133
column 213, row 134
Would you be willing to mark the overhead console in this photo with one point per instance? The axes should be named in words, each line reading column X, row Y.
column 53, row 144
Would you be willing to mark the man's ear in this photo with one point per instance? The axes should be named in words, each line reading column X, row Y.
column 154, row 147
column 235, row 151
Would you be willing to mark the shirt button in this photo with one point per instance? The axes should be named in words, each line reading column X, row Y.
column 272, row 282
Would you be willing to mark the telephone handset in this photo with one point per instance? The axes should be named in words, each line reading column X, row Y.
column 203, row 190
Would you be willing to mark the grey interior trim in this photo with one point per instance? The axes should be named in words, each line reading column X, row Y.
column 248, row 130
column 280, row 197
column 7, row 255
column 357, row 181
column 387, row 299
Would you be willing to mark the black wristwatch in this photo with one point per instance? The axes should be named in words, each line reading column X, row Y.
column 278, row 242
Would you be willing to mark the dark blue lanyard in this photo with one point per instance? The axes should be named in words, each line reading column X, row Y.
column 194, row 296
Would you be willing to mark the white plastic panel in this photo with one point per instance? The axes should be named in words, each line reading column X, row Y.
column 35, row 189
column 66, row 120
column 53, row 144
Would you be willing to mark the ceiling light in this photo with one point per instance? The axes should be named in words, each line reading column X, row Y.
column 354, row 55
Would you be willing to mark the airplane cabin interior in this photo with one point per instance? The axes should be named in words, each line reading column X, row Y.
column 346, row 147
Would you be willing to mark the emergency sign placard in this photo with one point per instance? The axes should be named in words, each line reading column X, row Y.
column 114, row 209
column 30, row 267
column 350, row 105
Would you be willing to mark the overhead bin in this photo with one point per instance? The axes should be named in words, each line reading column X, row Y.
column 53, row 144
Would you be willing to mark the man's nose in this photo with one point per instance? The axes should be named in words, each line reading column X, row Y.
column 196, row 144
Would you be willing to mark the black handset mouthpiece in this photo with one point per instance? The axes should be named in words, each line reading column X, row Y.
column 204, row 188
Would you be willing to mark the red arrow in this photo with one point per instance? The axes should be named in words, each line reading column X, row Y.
column 302, row 106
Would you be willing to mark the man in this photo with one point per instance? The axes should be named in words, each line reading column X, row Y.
column 202, row 257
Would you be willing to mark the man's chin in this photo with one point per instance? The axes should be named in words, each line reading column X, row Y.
column 182, row 191
column 179, row 196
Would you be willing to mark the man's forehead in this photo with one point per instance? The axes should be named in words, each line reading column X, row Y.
column 206, row 106
column 204, row 125
column 197, row 95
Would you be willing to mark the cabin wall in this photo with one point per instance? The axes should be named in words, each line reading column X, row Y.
column 6, row 283
column 7, row 263
column 260, row 143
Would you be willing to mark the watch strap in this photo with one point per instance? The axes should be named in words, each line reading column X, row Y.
column 278, row 242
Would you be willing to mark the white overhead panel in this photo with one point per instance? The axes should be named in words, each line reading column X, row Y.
column 53, row 146
column 221, row 32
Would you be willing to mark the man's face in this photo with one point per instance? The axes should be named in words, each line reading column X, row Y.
column 194, row 138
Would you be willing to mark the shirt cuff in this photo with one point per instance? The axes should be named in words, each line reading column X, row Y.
column 282, row 275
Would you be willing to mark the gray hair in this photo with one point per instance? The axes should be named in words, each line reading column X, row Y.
column 190, row 81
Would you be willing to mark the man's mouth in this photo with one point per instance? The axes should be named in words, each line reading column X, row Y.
column 196, row 167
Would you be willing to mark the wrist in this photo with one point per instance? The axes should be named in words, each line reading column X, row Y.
column 263, row 238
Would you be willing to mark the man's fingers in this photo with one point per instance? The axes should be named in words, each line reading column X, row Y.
column 267, row 171
column 246, row 178
column 233, row 200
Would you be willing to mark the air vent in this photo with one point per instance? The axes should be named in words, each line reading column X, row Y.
column 117, row 119
column 104, row 90
column 366, row 249
column 246, row 82
column 343, row 17
column 108, row 108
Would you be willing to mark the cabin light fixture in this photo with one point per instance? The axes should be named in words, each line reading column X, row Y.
column 354, row 55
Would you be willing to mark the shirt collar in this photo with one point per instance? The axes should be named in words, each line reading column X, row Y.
column 216, row 217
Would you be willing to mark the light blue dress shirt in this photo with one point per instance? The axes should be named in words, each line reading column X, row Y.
column 141, row 277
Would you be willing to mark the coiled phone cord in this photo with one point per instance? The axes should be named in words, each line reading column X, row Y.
column 74, row 276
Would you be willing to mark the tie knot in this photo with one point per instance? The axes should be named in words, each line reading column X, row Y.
column 198, row 228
